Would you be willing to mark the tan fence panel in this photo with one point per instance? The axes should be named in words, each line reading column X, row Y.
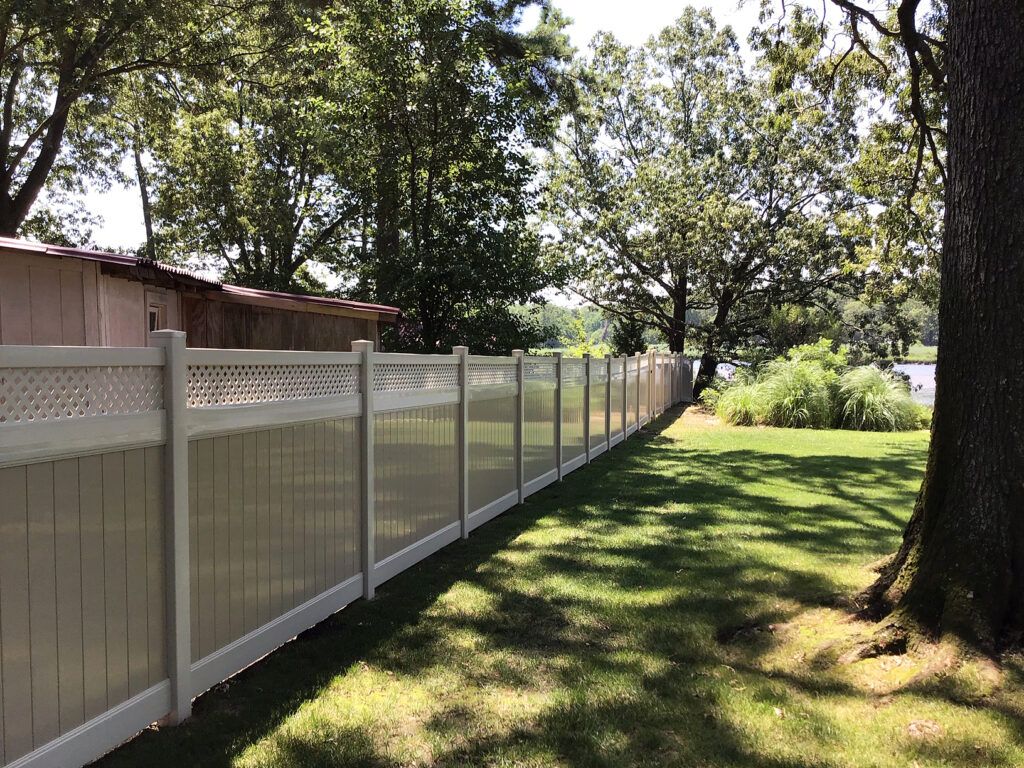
column 539, row 434
column 645, row 389
column 81, row 591
column 539, row 460
column 274, row 517
column 573, row 390
column 416, row 476
column 492, row 469
column 598, row 402
column 632, row 385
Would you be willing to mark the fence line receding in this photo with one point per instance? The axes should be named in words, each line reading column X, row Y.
column 170, row 515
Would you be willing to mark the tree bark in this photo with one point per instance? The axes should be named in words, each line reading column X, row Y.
column 960, row 569
column 147, row 204
column 677, row 334
column 706, row 372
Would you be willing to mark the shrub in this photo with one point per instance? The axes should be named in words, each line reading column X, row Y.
column 796, row 393
column 709, row 397
column 739, row 405
column 821, row 352
column 875, row 400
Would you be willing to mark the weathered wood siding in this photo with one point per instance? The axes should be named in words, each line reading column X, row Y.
column 234, row 325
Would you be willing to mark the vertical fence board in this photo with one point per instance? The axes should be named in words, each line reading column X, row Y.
column 287, row 519
column 42, row 592
column 15, row 640
column 68, row 546
column 275, row 522
column 236, row 534
column 115, row 584
column 206, row 553
column 155, row 583
column 135, row 574
column 222, row 540
column 94, row 611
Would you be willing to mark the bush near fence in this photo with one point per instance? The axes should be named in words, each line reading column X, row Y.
column 170, row 515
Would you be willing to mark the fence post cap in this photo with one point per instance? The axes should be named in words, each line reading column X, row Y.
column 460, row 350
column 167, row 333
column 362, row 346
column 559, row 354
column 518, row 353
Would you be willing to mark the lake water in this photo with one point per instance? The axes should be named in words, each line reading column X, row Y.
column 922, row 379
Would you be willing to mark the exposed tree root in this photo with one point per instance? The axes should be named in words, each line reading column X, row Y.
column 890, row 640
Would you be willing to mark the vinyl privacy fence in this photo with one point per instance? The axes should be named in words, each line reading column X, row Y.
column 170, row 515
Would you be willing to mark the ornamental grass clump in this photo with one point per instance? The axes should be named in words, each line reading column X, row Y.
column 796, row 393
column 813, row 388
column 738, row 405
column 874, row 400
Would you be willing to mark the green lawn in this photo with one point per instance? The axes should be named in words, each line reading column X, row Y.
column 921, row 353
column 676, row 603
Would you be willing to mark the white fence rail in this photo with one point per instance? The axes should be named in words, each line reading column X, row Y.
column 170, row 515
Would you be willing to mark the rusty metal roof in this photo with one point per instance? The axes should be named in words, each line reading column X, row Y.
column 188, row 276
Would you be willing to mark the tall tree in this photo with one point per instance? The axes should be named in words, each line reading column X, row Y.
column 960, row 569
column 255, row 173
column 686, row 188
column 455, row 98
column 61, row 63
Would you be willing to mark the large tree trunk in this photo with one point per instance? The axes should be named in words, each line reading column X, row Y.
column 960, row 570
column 147, row 206
column 677, row 333
column 705, row 373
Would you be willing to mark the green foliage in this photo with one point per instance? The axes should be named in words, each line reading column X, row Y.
column 823, row 352
column 447, row 102
column 253, row 178
column 874, row 400
column 812, row 387
column 628, row 336
column 796, row 393
column 64, row 66
column 740, row 404
column 690, row 185
column 578, row 342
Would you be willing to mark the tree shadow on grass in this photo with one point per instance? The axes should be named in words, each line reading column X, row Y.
column 613, row 594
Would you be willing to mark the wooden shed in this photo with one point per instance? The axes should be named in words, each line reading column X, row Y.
column 51, row 295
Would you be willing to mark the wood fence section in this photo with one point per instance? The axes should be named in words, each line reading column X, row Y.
column 171, row 515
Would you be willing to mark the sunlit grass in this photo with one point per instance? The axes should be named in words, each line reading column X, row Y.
column 676, row 603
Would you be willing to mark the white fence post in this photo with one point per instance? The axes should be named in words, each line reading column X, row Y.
column 463, row 439
column 520, row 416
column 365, row 348
column 586, row 405
column 608, row 401
column 651, row 407
column 178, row 587
column 639, row 382
column 625, row 389
column 558, row 413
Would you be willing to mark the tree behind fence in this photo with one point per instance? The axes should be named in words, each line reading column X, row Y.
column 170, row 515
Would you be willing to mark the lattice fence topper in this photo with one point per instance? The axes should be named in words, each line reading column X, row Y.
column 616, row 369
column 213, row 385
column 399, row 377
column 57, row 394
column 631, row 363
column 598, row 371
column 486, row 374
column 573, row 372
column 540, row 370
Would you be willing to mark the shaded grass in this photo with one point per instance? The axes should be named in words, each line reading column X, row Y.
column 673, row 604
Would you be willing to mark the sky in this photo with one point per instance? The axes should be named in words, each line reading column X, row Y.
column 632, row 21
